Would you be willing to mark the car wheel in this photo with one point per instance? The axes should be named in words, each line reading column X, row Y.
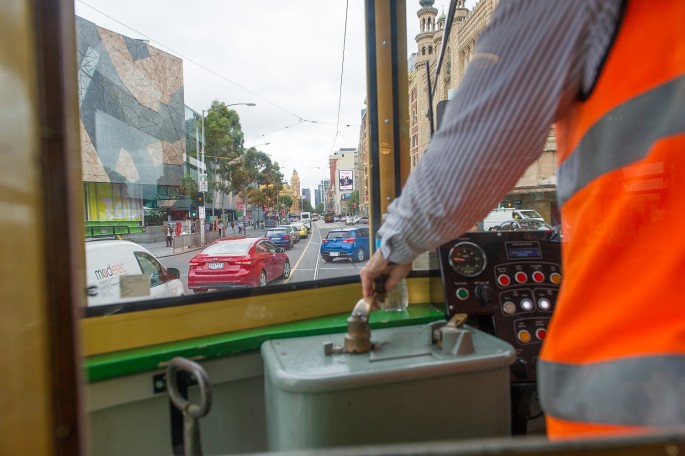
column 327, row 259
column 262, row 279
column 361, row 255
column 286, row 269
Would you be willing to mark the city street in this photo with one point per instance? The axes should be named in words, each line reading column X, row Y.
column 305, row 262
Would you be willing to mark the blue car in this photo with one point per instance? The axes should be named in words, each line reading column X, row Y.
column 280, row 237
column 346, row 243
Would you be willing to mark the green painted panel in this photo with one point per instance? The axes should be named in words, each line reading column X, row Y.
column 112, row 365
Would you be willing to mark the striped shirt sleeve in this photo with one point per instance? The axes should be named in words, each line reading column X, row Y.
column 535, row 58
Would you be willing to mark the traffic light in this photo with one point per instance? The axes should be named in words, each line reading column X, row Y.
column 200, row 199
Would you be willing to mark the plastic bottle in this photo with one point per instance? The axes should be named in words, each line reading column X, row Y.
column 397, row 299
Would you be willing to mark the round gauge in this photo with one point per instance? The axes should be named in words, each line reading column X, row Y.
column 467, row 259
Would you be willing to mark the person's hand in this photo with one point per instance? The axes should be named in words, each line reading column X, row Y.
column 378, row 266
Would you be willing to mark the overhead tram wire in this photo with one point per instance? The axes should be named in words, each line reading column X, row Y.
column 342, row 73
column 300, row 118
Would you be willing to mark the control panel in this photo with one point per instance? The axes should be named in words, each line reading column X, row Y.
column 507, row 282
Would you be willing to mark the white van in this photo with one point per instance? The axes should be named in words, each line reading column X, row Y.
column 504, row 214
column 121, row 271
column 306, row 218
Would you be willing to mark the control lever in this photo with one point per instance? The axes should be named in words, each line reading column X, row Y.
column 358, row 337
column 453, row 338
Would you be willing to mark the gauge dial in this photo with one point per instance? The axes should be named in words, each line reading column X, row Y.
column 467, row 259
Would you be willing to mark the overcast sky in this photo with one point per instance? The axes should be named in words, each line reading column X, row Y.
column 284, row 56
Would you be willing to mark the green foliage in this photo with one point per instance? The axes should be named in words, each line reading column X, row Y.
column 307, row 206
column 153, row 218
column 188, row 185
column 319, row 208
column 349, row 204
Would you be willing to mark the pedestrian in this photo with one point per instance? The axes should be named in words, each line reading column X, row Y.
column 233, row 227
column 221, row 230
column 604, row 368
column 240, row 227
column 168, row 235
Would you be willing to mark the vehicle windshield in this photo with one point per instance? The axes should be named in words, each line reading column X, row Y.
column 276, row 232
column 529, row 213
column 340, row 235
column 232, row 247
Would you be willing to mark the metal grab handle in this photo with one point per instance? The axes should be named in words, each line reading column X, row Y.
column 192, row 444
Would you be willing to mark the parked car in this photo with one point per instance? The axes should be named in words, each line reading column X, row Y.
column 345, row 243
column 291, row 231
column 363, row 221
column 110, row 263
column 231, row 263
column 280, row 237
column 505, row 214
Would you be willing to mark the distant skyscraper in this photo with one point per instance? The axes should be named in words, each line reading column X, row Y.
column 307, row 194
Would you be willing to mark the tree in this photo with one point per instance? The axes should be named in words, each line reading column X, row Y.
column 307, row 206
column 223, row 145
column 351, row 204
column 319, row 208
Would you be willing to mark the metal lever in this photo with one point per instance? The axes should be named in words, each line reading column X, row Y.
column 192, row 444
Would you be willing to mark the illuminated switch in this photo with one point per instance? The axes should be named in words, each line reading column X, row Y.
column 541, row 333
column 555, row 278
column 509, row 308
column 527, row 304
column 462, row 294
column 538, row 277
column 523, row 336
column 521, row 277
column 503, row 280
column 544, row 304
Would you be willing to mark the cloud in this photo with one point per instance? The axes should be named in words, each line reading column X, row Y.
column 285, row 56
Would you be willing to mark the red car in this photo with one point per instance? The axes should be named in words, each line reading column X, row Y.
column 232, row 263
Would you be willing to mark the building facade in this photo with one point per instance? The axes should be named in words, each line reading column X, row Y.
column 343, row 169
column 132, row 117
column 537, row 187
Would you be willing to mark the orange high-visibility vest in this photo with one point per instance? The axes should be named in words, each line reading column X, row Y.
column 614, row 358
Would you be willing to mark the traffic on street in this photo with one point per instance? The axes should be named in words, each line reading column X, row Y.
column 306, row 262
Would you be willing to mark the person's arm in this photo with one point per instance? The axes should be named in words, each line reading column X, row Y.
column 529, row 66
column 534, row 59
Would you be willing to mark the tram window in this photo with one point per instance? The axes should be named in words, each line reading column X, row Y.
column 186, row 139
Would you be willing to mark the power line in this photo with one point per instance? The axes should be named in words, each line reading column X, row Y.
column 342, row 72
column 300, row 118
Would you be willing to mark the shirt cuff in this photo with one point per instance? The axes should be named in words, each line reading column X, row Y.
column 396, row 252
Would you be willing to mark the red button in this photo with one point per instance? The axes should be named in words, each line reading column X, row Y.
column 538, row 277
column 521, row 277
column 541, row 334
column 503, row 280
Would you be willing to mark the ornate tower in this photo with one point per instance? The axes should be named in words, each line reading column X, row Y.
column 295, row 188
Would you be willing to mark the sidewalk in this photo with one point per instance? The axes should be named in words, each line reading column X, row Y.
column 160, row 250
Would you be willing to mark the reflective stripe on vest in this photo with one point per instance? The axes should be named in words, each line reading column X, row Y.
column 624, row 141
column 617, row 392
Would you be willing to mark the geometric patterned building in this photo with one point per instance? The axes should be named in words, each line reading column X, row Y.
column 132, row 124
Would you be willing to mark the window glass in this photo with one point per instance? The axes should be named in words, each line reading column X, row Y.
column 149, row 265
column 161, row 148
